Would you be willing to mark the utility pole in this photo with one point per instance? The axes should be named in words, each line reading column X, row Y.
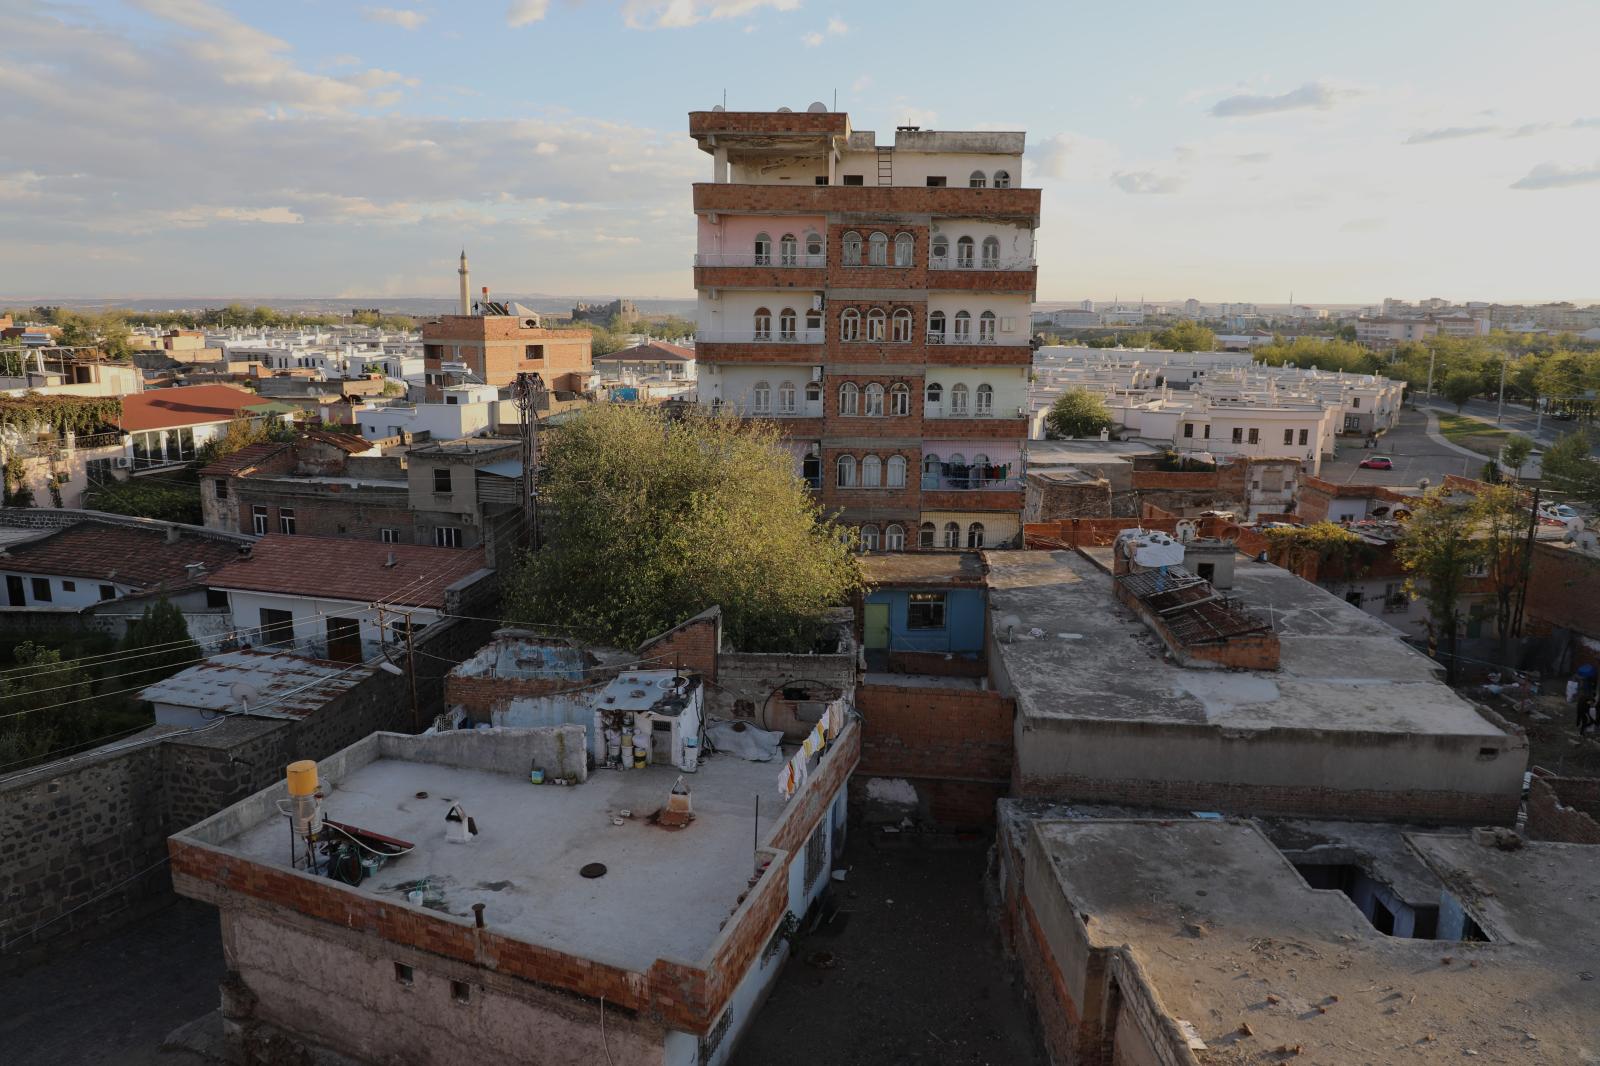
column 1431, row 355
column 411, row 668
column 1500, row 397
column 528, row 392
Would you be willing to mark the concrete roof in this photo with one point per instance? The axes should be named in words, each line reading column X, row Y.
column 267, row 684
column 906, row 569
column 1340, row 668
column 1069, row 452
column 1227, row 932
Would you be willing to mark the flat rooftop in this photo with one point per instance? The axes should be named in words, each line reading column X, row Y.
column 1340, row 668
column 904, row 569
column 665, row 893
column 1070, row 452
column 1228, row 932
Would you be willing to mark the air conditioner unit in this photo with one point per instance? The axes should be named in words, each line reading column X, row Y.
column 122, row 462
column 816, row 373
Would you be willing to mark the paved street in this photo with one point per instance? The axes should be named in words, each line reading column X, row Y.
column 1517, row 419
column 1416, row 455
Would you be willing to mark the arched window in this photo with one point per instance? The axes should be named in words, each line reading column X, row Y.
column 1002, row 179
column 786, row 324
column 986, row 324
column 763, row 324
column 956, row 459
column 934, row 395
column 978, row 476
column 952, row 534
column 874, row 399
column 813, row 249
column 878, row 250
column 894, row 537
column 958, row 399
column 963, row 328
column 814, row 324
column 761, row 398
column 985, row 401
column 905, row 247
column 977, row 180
column 991, row 252
column 939, row 250
column 788, row 249
column 852, row 249
column 813, row 392
column 975, row 535
column 931, row 467
column 850, row 325
column 871, row 472
column 869, row 538
column 925, row 535
column 763, row 250
column 900, row 326
column 896, row 471
column 786, row 398
column 964, row 248
column 899, row 399
column 847, row 471
column 849, row 399
column 936, row 328
column 875, row 321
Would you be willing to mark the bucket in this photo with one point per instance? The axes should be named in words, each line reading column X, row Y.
column 639, row 758
column 536, row 776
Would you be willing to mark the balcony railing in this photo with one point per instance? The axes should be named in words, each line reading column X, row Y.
column 755, row 336
column 943, row 410
column 752, row 259
column 749, row 409
column 941, row 482
column 956, row 262
column 978, row 338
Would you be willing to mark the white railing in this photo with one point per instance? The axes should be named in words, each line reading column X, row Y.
column 1020, row 340
column 748, row 409
column 940, row 409
column 956, row 262
column 775, row 335
column 752, row 259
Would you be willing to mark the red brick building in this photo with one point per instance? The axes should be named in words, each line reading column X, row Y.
column 874, row 300
column 495, row 348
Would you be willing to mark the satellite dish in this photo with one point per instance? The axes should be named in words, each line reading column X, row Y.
column 1187, row 531
column 817, row 108
column 1008, row 625
column 718, row 107
column 244, row 694
column 785, row 111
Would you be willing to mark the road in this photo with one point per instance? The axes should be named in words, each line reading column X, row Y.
column 1517, row 419
column 1416, row 455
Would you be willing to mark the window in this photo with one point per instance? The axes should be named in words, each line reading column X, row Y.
column 925, row 534
column 761, row 398
column 964, row 248
column 934, row 394
column 460, row 991
column 1355, row 401
column 958, row 400
column 986, row 328
column 1238, row 435
column 894, row 536
column 788, row 249
column 813, row 392
column 985, row 406
column 878, row 250
column 1206, row 434
column 977, row 180
column 1255, row 435
column 286, row 520
column 217, row 598
column 850, row 324
column 874, row 395
column 897, row 472
column 899, row 399
column 277, row 627
column 905, row 248
column 108, row 592
column 222, row 488
column 925, row 610
column 41, row 589
column 852, row 247
column 258, row 520
column 846, row 472
column 69, row 586
column 936, row 182
column 389, row 535
column 900, row 326
column 991, row 253
column 786, row 398
column 871, row 472
column 763, row 250
column 952, row 535
column 975, row 535
column 875, row 321
column 1288, row 436
column 849, row 398
column 821, row 179
column 403, row 973
column 447, row 536
column 442, row 479
column 936, row 328
column 1188, row 429
column 786, row 324
column 963, row 328
column 930, row 469
column 813, row 247
column 940, row 251
column 763, row 323
column 1002, row 179
column 868, row 538
column 854, row 179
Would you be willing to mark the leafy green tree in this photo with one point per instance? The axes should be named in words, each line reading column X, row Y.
column 1460, row 386
column 1570, row 469
column 159, row 645
column 1439, row 550
column 1322, row 550
column 650, row 520
column 168, row 497
column 243, row 432
column 1186, row 336
column 1562, row 375
column 1500, row 520
column 1515, row 453
column 1078, row 413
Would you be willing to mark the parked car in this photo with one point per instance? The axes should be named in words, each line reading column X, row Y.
column 1558, row 512
column 1378, row 462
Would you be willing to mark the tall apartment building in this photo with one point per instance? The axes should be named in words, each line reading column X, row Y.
column 874, row 300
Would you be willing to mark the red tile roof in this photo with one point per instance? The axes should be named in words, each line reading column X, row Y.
column 657, row 351
column 341, row 568
column 186, row 405
column 142, row 559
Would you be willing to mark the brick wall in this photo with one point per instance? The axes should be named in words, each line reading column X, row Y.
column 1048, row 500
column 692, row 645
column 1250, row 651
column 1556, row 589
column 869, row 200
column 326, row 510
column 1085, row 532
column 1565, row 809
column 953, row 745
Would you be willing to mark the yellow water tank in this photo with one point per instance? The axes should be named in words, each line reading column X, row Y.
column 302, row 778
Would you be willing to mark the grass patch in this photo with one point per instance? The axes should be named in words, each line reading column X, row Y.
column 1481, row 437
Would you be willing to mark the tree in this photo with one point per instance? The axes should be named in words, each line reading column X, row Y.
column 243, row 432
column 650, row 520
column 1439, row 550
column 1186, row 336
column 1460, row 386
column 1501, row 523
column 1321, row 551
column 1078, row 413
column 1515, row 453
column 159, row 644
column 1568, row 468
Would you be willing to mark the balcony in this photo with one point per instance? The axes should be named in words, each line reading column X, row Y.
column 755, row 336
column 750, row 259
column 947, row 262
column 775, row 411
column 940, row 409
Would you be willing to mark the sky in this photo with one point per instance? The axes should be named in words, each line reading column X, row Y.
column 1222, row 151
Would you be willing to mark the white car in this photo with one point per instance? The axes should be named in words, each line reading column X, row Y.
column 1558, row 512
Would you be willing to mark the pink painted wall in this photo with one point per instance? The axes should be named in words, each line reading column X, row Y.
column 737, row 233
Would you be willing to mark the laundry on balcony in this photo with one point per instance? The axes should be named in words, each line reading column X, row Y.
column 974, row 475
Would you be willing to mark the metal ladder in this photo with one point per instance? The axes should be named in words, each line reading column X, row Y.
column 885, row 166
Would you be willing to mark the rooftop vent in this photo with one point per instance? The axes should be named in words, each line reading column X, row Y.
column 392, row 561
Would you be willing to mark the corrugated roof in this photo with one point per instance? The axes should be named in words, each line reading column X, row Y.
column 243, row 459
column 140, row 558
column 186, row 405
column 261, row 683
column 343, row 568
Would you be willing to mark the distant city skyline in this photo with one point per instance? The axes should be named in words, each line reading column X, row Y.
column 167, row 149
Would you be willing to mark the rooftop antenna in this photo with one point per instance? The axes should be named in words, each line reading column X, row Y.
column 836, row 98
column 724, row 99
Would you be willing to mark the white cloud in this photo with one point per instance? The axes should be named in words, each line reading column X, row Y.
column 837, row 27
column 676, row 14
column 1450, row 133
column 1146, row 182
column 861, row 84
column 394, row 16
column 1556, row 176
column 812, row 40
column 1313, row 95
column 1069, row 155
column 526, row 12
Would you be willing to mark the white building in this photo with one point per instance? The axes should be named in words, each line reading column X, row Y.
column 466, row 411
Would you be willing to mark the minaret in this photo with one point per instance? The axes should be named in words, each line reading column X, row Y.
column 466, row 285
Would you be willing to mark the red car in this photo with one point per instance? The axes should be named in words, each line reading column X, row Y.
column 1378, row 462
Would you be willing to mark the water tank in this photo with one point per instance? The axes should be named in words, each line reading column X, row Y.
column 302, row 778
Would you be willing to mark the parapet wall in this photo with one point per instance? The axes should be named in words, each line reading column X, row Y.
column 1565, row 809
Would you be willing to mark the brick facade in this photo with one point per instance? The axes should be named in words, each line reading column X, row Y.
column 498, row 347
column 1020, row 205
column 953, row 745
column 1565, row 809
column 694, row 645
column 1561, row 594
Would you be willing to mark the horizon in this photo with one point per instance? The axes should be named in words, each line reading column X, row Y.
column 353, row 150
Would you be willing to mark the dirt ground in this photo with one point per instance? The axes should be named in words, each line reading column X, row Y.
column 915, row 975
column 1553, row 740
